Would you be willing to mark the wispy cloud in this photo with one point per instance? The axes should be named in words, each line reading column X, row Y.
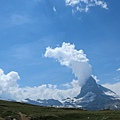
column 17, row 19
column 117, row 78
column 22, row 52
column 54, row 9
column 84, row 5
column 118, row 69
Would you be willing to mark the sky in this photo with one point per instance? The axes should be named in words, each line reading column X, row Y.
column 53, row 46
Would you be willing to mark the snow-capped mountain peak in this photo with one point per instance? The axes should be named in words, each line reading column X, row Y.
column 90, row 86
column 91, row 97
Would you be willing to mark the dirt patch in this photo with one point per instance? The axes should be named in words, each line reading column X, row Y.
column 23, row 116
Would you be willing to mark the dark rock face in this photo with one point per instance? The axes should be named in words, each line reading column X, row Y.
column 90, row 86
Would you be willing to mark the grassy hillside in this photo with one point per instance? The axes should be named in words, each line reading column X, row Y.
column 22, row 111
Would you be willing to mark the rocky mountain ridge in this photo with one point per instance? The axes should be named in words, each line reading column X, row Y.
column 91, row 97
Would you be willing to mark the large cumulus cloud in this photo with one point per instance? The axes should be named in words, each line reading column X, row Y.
column 75, row 59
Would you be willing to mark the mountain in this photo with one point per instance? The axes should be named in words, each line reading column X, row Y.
column 92, row 87
column 91, row 97
column 49, row 102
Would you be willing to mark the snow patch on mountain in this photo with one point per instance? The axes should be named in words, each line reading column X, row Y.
column 89, row 97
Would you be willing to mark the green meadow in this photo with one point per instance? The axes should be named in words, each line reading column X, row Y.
column 22, row 111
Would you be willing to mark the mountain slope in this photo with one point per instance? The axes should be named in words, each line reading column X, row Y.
column 49, row 102
column 93, row 97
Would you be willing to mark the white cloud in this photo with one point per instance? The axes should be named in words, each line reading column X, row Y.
column 8, row 82
column 75, row 59
column 114, row 87
column 49, row 91
column 118, row 69
column 54, row 9
column 9, row 89
column 67, row 85
column 84, row 5
column 95, row 77
column 117, row 78
column 72, row 2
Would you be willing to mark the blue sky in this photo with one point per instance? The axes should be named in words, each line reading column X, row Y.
column 28, row 27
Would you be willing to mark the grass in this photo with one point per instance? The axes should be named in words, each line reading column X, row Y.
column 22, row 111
